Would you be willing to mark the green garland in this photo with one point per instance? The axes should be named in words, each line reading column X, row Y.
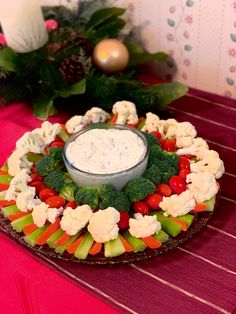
column 44, row 77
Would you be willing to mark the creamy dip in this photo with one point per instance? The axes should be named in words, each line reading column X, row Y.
column 106, row 151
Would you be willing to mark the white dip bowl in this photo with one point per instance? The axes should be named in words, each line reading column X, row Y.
column 104, row 154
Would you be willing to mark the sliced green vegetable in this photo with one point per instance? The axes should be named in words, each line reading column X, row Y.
column 33, row 157
column 169, row 226
column 188, row 219
column 210, row 204
column 33, row 236
column 5, row 167
column 84, row 247
column 63, row 135
column 137, row 244
column 20, row 223
column 8, row 210
column 55, row 237
column 161, row 236
column 61, row 248
column 5, row 179
column 113, row 248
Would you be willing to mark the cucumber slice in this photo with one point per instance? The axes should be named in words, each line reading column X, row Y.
column 33, row 157
column 114, row 248
column 137, row 244
column 20, row 223
column 61, row 248
column 188, row 219
column 54, row 237
column 33, row 236
column 169, row 226
column 84, row 247
column 161, row 236
column 210, row 204
column 3, row 195
column 6, row 179
column 63, row 135
column 8, row 210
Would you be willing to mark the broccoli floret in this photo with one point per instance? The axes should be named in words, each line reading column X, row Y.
column 68, row 192
column 87, row 195
column 109, row 196
column 151, row 139
column 166, row 170
column 138, row 188
column 45, row 166
column 155, row 155
column 172, row 159
column 55, row 180
column 55, row 153
column 107, row 193
column 121, row 202
column 153, row 174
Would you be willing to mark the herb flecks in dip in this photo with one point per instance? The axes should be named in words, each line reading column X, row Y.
column 104, row 151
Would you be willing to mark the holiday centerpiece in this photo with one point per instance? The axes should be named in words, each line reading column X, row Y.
column 82, row 59
column 108, row 188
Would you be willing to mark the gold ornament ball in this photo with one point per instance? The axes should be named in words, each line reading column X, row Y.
column 111, row 55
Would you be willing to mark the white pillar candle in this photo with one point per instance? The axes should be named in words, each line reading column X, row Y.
column 23, row 24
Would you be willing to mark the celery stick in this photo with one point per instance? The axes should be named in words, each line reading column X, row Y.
column 210, row 204
column 20, row 223
column 84, row 247
column 54, row 237
column 63, row 135
column 61, row 248
column 33, row 236
column 161, row 236
column 113, row 248
column 3, row 195
column 6, row 179
column 137, row 244
column 188, row 219
column 141, row 124
column 5, row 167
column 169, row 226
column 11, row 209
column 33, row 157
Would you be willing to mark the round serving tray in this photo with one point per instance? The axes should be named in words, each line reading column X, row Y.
column 200, row 220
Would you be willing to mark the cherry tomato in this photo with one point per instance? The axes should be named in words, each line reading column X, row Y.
column 38, row 185
column 123, row 224
column 36, row 177
column 71, row 204
column 184, row 163
column 169, row 145
column 58, row 139
column 46, row 193
column 177, row 184
column 164, row 189
column 33, row 168
column 57, row 144
column 183, row 173
column 141, row 207
column 153, row 201
column 55, row 201
column 157, row 134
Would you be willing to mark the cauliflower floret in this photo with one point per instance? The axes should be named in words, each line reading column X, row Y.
column 198, row 148
column 103, row 225
column 31, row 142
column 18, row 184
column 96, row 115
column 74, row 220
column 18, row 161
column 48, row 132
column 185, row 133
column 143, row 226
column 210, row 162
column 177, row 205
column 53, row 213
column 126, row 112
column 202, row 185
column 76, row 123
column 41, row 213
column 25, row 200
column 151, row 123
column 169, row 126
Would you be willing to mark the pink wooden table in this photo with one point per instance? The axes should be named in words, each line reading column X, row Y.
column 198, row 277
